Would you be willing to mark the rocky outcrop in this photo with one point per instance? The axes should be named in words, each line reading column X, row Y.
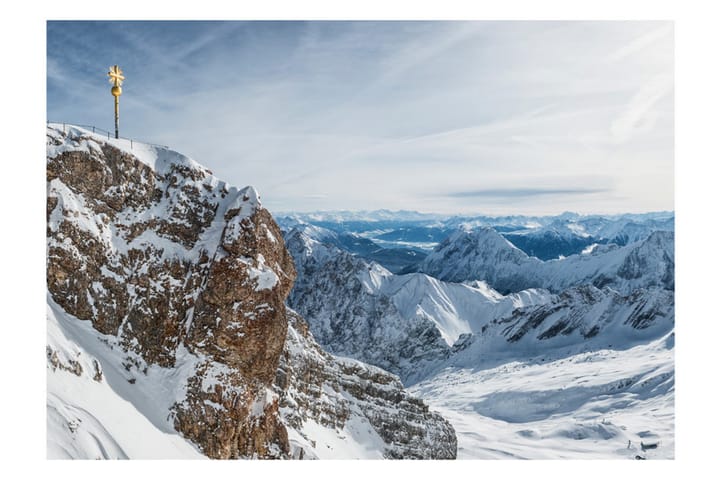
column 342, row 394
column 153, row 250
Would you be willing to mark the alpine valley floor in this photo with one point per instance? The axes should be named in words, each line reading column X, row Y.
column 592, row 405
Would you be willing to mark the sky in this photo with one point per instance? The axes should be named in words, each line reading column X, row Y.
column 453, row 117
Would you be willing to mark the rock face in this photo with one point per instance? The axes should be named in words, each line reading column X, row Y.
column 345, row 395
column 157, row 253
column 584, row 312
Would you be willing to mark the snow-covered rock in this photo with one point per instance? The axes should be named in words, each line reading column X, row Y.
column 166, row 292
column 581, row 318
column 337, row 407
column 482, row 254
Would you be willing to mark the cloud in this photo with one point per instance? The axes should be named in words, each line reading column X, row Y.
column 641, row 111
column 524, row 192
column 643, row 42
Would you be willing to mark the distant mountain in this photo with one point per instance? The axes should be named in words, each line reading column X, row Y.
column 484, row 254
column 543, row 237
column 625, row 231
column 343, row 216
column 560, row 238
column 394, row 259
column 592, row 223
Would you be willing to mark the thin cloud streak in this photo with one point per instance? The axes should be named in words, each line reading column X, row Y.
column 525, row 192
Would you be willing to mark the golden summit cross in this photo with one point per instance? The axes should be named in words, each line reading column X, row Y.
column 116, row 79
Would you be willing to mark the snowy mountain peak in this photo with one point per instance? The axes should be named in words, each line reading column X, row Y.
column 482, row 241
column 480, row 254
column 483, row 254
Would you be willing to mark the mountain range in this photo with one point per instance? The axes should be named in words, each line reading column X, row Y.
column 479, row 310
column 185, row 320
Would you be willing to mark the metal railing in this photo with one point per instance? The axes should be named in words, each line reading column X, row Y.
column 103, row 132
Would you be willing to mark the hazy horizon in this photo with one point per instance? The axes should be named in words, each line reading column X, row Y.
column 469, row 214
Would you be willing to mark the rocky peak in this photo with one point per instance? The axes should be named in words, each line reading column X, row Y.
column 168, row 260
column 479, row 254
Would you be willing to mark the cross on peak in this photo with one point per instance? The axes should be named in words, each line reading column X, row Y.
column 116, row 76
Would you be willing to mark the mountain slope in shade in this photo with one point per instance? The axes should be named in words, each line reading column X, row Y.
column 166, row 292
column 338, row 407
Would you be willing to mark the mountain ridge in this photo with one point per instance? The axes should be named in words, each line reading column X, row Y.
column 483, row 254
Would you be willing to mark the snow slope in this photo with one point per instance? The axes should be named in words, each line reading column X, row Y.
column 99, row 413
column 587, row 405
